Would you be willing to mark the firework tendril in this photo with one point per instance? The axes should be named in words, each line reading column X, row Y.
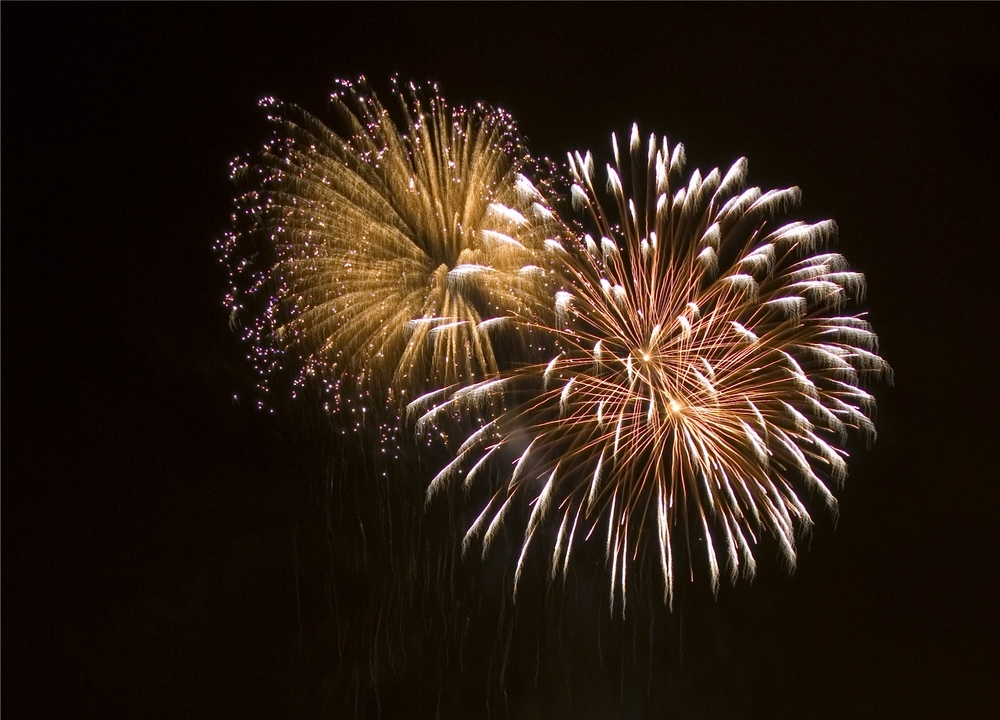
column 707, row 378
column 388, row 258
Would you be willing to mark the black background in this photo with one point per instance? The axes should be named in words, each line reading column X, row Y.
column 154, row 558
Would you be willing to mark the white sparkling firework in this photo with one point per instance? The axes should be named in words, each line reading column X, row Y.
column 383, row 255
column 705, row 385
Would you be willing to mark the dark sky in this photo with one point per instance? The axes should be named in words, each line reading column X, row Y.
column 159, row 554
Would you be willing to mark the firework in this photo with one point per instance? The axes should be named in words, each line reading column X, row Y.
column 707, row 379
column 386, row 258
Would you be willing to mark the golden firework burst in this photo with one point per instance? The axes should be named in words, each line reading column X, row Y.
column 387, row 257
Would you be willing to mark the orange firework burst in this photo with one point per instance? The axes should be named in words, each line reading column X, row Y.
column 706, row 381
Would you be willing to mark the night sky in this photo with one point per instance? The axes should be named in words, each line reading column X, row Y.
column 165, row 552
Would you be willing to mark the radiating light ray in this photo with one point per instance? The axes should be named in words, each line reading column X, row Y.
column 704, row 383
